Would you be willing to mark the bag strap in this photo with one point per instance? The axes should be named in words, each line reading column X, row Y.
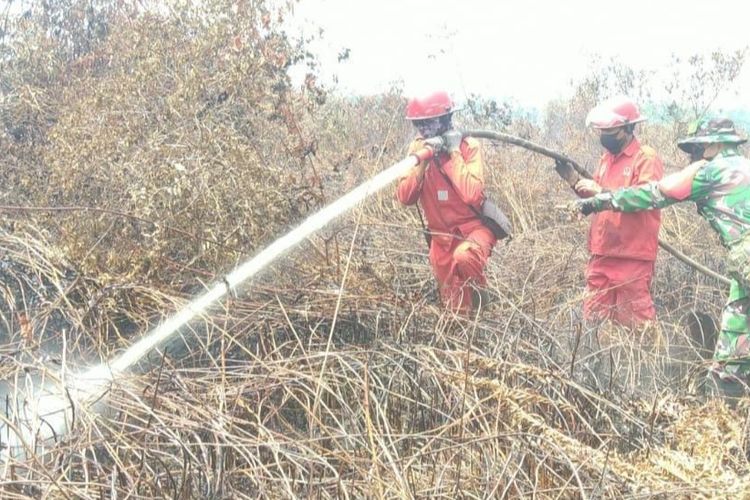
column 450, row 183
column 497, row 229
column 427, row 235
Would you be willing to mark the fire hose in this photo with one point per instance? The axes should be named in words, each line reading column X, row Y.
column 571, row 172
column 38, row 414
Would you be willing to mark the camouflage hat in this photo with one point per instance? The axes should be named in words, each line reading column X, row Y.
column 710, row 131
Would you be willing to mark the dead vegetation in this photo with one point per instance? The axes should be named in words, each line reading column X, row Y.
column 145, row 153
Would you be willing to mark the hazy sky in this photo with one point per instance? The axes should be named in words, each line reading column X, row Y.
column 528, row 50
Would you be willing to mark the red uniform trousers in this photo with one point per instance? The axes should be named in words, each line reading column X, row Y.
column 619, row 290
column 459, row 267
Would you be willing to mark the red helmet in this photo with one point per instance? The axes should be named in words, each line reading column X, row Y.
column 429, row 106
column 615, row 112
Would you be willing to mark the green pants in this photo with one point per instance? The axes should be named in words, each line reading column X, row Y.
column 732, row 354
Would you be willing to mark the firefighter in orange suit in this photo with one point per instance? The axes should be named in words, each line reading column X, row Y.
column 622, row 245
column 448, row 182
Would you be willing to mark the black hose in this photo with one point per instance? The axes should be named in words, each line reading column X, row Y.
column 531, row 146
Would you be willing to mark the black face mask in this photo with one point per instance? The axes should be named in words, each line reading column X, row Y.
column 433, row 127
column 611, row 143
column 696, row 153
column 428, row 128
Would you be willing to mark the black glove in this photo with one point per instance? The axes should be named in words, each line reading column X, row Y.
column 436, row 144
column 453, row 140
column 596, row 203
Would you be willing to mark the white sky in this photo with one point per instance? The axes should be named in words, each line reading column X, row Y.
column 527, row 50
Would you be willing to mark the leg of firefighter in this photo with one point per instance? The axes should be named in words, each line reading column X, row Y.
column 633, row 304
column 470, row 257
column 640, row 351
column 459, row 268
column 619, row 290
column 597, row 309
column 444, row 269
column 600, row 295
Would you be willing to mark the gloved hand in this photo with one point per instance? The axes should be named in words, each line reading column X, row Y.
column 565, row 170
column 596, row 203
column 452, row 140
column 436, row 144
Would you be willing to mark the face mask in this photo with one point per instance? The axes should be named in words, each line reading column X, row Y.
column 428, row 128
column 696, row 153
column 611, row 143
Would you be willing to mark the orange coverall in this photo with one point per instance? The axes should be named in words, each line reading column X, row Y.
column 623, row 245
column 461, row 244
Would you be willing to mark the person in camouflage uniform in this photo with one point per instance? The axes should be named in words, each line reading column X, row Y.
column 718, row 181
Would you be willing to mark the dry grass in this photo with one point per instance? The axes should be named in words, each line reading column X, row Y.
column 398, row 399
column 335, row 374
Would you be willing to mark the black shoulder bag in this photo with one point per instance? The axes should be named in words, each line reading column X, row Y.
column 491, row 216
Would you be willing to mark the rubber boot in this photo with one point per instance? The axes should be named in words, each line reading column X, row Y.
column 731, row 389
column 480, row 298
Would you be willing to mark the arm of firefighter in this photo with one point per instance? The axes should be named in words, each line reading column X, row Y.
column 410, row 185
column 467, row 173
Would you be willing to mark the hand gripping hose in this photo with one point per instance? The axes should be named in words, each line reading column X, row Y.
column 536, row 148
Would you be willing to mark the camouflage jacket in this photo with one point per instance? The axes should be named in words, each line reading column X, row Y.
column 720, row 188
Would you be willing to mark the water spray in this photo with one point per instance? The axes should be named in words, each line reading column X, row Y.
column 38, row 411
